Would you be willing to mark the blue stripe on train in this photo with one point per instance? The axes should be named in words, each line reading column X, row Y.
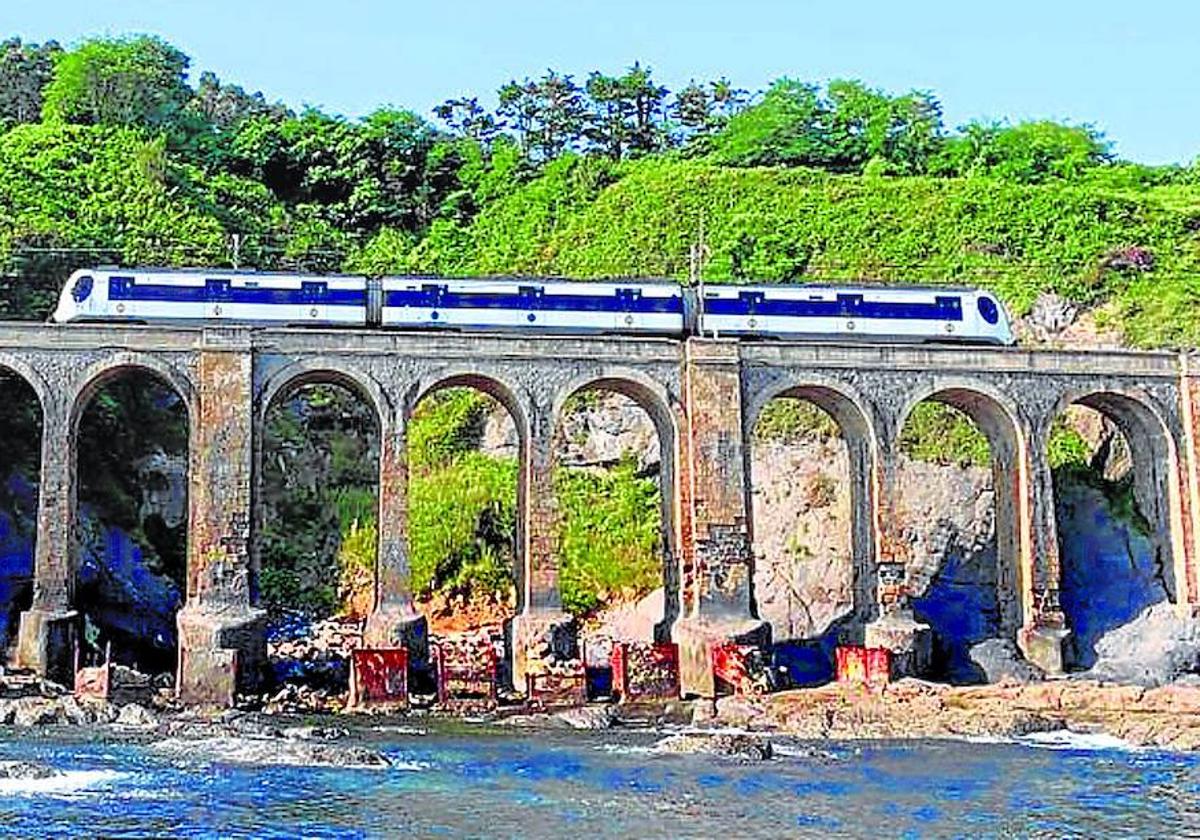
column 218, row 291
column 437, row 299
column 846, row 306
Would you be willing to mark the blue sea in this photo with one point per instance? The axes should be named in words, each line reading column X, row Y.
column 464, row 782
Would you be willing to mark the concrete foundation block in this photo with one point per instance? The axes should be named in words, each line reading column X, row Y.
column 1045, row 647
column 910, row 643
column 400, row 628
column 46, row 644
column 696, row 637
column 536, row 628
column 207, row 637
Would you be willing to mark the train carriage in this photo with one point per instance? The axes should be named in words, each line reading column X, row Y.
column 535, row 305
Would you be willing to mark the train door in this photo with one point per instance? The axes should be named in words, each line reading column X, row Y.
column 313, row 301
column 628, row 306
column 218, row 295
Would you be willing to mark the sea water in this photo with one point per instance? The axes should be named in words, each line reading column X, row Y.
column 481, row 782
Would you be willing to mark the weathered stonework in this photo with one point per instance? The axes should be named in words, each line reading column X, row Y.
column 703, row 396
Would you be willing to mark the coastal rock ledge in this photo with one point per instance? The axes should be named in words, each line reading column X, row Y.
column 1166, row 717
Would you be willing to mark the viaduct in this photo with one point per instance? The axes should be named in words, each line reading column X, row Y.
column 703, row 395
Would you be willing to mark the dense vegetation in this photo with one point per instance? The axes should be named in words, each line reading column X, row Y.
column 108, row 154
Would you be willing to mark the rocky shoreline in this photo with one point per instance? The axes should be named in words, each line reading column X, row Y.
column 1166, row 717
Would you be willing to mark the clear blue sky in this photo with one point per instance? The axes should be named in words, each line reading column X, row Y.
column 1131, row 68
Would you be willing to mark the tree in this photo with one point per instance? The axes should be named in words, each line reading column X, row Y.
column 866, row 124
column 118, row 81
column 548, row 115
column 25, row 70
column 788, row 127
column 467, row 118
column 627, row 113
column 224, row 106
column 1029, row 152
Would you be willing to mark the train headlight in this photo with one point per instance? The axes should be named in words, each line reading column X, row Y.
column 82, row 289
column 988, row 310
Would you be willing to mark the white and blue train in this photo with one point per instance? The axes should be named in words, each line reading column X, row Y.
column 881, row 313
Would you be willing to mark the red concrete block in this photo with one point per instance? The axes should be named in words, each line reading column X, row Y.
column 864, row 666
column 645, row 671
column 379, row 678
column 733, row 666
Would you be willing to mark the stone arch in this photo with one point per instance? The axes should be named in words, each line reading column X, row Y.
column 296, row 375
column 500, row 388
column 666, row 413
column 996, row 416
column 90, row 383
column 281, row 385
column 35, row 452
column 857, row 425
column 31, row 376
column 97, row 375
column 1156, row 471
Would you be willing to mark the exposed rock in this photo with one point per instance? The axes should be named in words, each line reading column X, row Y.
column 74, row 713
column 1001, row 661
column 744, row 747
column 603, row 428
column 27, row 770
column 136, row 716
column 588, row 717
column 1052, row 313
column 271, row 751
column 35, row 711
column 1156, row 648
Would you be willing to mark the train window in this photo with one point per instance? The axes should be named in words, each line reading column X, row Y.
column 988, row 310
column 83, row 288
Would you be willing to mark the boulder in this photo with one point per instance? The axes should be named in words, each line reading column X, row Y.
column 35, row 711
column 742, row 747
column 26, row 770
column 588, row 717
column 1001, row 661
column 1156, row 648
column 135, row 715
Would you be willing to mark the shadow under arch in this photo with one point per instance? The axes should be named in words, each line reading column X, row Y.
column 142, row 631
column 23, row 441
column 996, row 417
column 503, row 392
column 284, row 385
column 1156, row 492
column 665, row 413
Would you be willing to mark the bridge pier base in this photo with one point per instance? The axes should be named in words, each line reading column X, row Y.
column 696, row 638
column 1044, row 647
column 535, row 629
column 46, row 644
column 222, row 652
column 400, row 627
column 909, row 640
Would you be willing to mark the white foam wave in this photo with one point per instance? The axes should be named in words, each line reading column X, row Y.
column 70, row 781
column 1064, row 739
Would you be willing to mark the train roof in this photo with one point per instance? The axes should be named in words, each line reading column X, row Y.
column 865, row 284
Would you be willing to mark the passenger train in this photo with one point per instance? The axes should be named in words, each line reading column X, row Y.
column 626, row 307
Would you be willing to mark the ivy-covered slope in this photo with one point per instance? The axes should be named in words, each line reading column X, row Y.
column 1095, row 241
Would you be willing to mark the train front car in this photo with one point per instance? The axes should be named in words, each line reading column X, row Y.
column 82, row 298
column 863, row 313
column 205, row 297
column 533, row 306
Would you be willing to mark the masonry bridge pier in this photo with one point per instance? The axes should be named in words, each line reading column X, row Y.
column 703, row 395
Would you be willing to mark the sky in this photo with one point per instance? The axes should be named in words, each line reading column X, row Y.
column 1131, row 69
